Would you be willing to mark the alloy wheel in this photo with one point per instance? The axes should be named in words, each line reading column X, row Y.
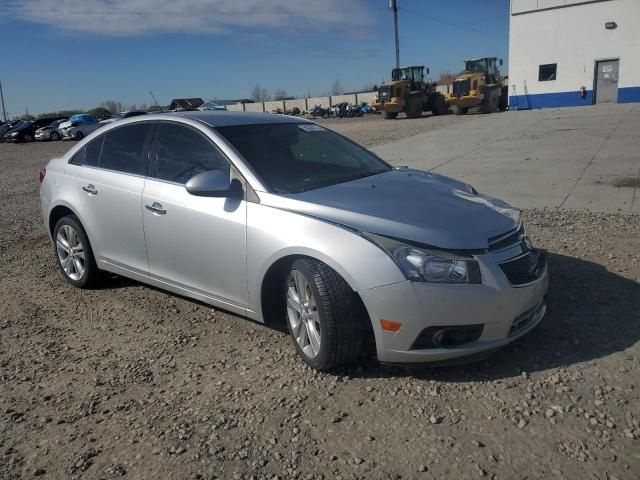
column 70, row 252
column 302, row 314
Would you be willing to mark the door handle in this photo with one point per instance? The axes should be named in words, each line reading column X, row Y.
column 156, row 208
column 90, row 189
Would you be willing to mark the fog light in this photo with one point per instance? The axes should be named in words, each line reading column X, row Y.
column 449, row 336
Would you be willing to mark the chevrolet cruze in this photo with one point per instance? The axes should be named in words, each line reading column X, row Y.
column 285, row 222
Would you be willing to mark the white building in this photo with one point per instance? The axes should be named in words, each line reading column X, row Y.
column 556, row 47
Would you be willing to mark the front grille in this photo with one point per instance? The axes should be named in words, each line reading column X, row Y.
column 384, row 94
column 500, row 242
column 524, row 269
column 461, row 87
column 524, row 320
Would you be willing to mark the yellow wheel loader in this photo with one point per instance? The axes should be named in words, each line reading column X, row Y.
column 479, row 85
column 409, row 93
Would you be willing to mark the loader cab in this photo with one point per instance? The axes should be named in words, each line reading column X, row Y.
column 487, row 66
column 414, row 75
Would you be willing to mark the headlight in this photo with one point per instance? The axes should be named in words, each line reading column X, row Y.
column 434, row 266
column 15, row 134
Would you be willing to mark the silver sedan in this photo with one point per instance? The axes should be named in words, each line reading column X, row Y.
column 285, row 222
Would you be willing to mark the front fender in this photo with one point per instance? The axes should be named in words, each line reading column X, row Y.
column 273, row 234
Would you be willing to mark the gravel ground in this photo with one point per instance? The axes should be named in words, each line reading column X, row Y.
column 127, row 380
column 372, row 130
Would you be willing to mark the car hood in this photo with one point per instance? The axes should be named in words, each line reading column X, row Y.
column 409, row 204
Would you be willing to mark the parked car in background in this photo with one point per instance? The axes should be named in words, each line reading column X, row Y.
column 288, row 223
column 78, row 126
column 10, row 125
column 206, row 106
column 123, row 115
column 50, row 132
column 26, row 132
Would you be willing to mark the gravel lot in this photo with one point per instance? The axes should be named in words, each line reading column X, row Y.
column 127, row 380
column 372, row 130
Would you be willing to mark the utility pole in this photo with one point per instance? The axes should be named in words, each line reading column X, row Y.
column 393, row 4
column 4, row 113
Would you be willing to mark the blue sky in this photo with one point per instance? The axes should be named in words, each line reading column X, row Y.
column 61, row 54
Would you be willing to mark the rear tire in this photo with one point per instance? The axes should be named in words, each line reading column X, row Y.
column 73, row 252
column 324, row 318
column 389, row 115
column 459, row 110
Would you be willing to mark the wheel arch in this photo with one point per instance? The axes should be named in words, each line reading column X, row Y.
column 272, row 308
column 61, row 210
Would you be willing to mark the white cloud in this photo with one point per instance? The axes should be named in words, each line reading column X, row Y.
column 140, row 17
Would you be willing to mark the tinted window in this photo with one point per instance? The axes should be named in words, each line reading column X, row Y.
column 123, row 149
column 183, row 152
column 78, row 158
column 92, row 152
column 547, row 73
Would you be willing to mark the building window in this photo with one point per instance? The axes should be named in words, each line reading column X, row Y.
column 547, row 72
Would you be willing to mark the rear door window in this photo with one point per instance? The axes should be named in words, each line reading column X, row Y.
column 92, row 152
column 124, row 148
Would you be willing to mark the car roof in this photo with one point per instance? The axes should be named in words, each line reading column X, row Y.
column 223, row 118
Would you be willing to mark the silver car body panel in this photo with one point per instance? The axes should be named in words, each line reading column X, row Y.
column 219, row 250
column 198, row 243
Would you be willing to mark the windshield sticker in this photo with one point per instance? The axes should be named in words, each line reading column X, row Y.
column 310, row 127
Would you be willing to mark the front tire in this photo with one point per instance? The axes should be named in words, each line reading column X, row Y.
column 79, row 136
column 324, row 318
column 389, row 115
column 414, row 108
column 73, row 252
column 55, row 136
column 459, row 110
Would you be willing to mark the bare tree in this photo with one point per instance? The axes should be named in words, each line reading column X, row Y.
column 279, row 94
column 446, row 78
column 113, row 106
column 259, row 94
column 336, row 87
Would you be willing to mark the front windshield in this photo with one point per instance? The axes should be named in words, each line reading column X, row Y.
column 476, row 66
column 21, row 123
column 297, row 157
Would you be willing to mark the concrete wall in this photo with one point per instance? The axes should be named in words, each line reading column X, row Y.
column 335, row 99
column 274, row 105
column 235, row 107
column 304, row 104
column 367, row 97
column 322, row 101
column 254, row 107
column 571, row 34
column 301, row 103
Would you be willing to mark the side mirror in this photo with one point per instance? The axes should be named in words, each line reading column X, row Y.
column 428, row 72
column 214, row 183
column 500, row 62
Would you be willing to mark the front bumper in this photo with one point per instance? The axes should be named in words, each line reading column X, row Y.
column 472, row 100
column 505, row 312
column 393, row 105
